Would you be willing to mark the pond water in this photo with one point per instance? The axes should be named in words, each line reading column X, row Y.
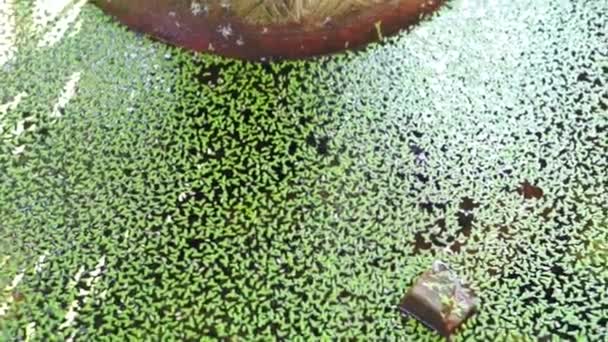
column 182, row 195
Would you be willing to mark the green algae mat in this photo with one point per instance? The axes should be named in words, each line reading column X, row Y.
column 147, row 193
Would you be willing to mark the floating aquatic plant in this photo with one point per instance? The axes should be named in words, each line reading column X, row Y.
column 176, row 196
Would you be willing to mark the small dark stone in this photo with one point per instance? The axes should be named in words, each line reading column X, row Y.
column 530, row 191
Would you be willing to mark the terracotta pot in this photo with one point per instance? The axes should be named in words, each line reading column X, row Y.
column 214, row 26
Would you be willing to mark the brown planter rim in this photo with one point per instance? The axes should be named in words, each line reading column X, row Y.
column 173, row 22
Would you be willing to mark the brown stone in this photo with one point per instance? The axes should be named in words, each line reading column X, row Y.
column 439, row 300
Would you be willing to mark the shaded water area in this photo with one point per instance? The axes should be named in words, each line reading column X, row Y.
column 182, row 195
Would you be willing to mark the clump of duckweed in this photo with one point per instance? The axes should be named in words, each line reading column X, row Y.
column 194, row 196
